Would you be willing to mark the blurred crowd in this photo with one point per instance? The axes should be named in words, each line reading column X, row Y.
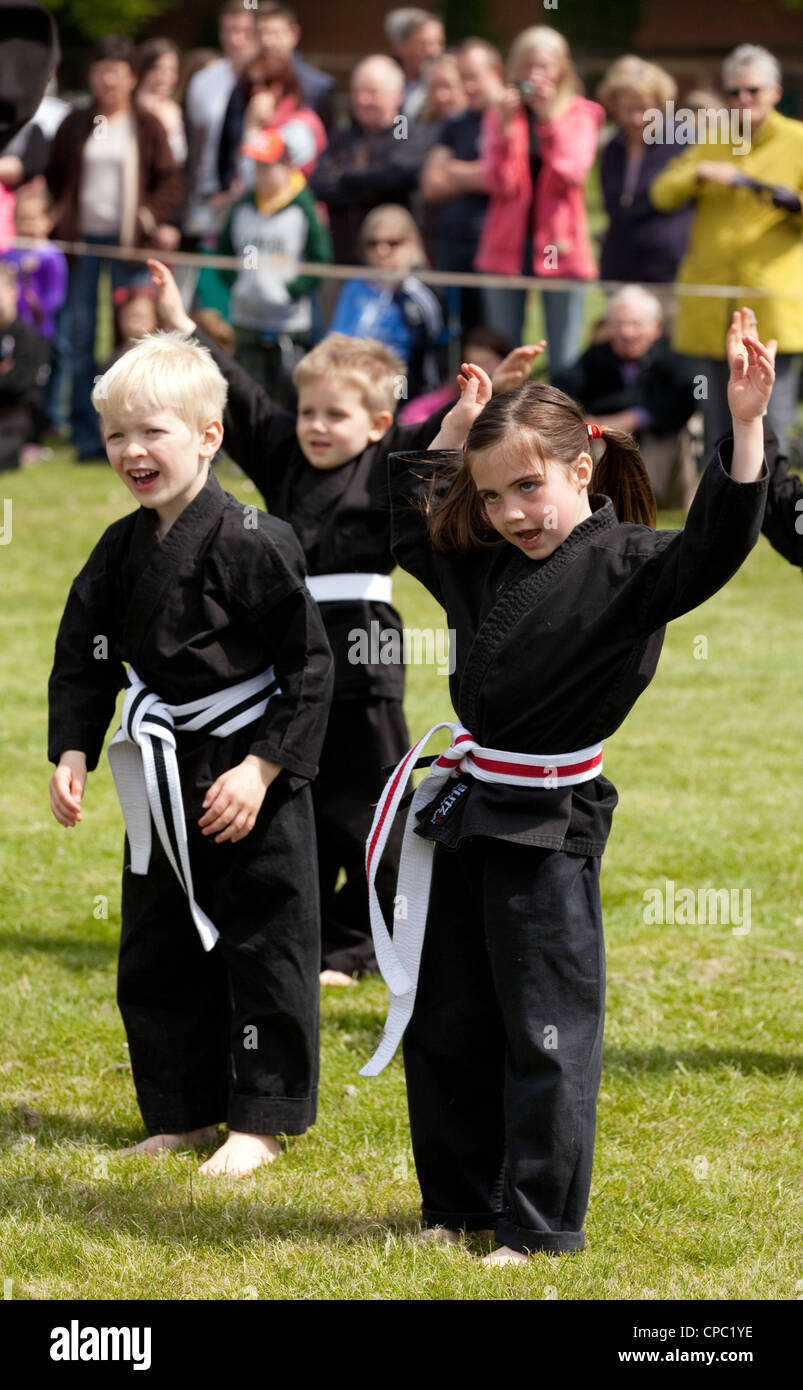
column 459, row 159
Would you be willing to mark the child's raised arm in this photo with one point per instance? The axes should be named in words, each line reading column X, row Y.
column 475, row 392
column 752, row 373
column 253, row 423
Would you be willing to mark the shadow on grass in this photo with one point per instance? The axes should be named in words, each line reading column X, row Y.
column 51, row 1129
column 73, row 952
column 627, row 1060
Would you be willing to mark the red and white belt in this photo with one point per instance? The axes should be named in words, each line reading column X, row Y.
column 399, row 959
column 333, row 588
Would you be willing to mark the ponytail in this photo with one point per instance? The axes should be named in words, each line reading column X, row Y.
column 621, row 474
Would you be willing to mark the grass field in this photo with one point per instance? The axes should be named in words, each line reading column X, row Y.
column 697, row 1178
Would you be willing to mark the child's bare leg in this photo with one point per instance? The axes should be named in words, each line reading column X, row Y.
column 505, row 1256
column 241, row 1154
column 191, row 1139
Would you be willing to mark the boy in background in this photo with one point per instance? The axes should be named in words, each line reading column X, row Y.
column 270, row 306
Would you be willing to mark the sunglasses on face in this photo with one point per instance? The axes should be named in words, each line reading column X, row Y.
column 737, row 91
column 390, row 241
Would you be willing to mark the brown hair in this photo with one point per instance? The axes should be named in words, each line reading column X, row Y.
column 550, row 427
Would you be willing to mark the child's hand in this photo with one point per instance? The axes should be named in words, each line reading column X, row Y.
column 233, row 801
column 515, row 369
column 169, row 308
column 752, row 368
column 475, row 392
column 67, row 787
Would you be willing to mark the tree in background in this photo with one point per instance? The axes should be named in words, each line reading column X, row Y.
column 92, row 19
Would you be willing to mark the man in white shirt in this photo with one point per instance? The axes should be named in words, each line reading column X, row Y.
column 205, row 106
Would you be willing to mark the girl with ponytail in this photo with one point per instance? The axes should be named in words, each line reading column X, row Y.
column 557, row 591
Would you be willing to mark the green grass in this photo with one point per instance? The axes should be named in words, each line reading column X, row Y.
column 697, row 1172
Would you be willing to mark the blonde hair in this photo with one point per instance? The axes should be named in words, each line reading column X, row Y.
column 633, row 76
column 540, row 38
column 404, row 220
column 164, row 371
column 365, row 364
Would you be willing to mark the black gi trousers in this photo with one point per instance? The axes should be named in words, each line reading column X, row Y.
column 229, row 1034
column 362, row 738
column 503, row 1054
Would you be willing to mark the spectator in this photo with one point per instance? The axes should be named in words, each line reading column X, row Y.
column 31, row 144
column 415, row 36
column 114, row 181
column 485, row 348
column 445, row 94
column 538, row 145
column 266, row 97
column 403, row 313
column 205, row 104
column 271, row 305
column 157, row 80
column 452, row 180
column 638, row 241
column 134, row 316
column 41, row 269
column 634, row 382
column 377, row 160
column 22, row 373
column 745, row 231
column 279, row 33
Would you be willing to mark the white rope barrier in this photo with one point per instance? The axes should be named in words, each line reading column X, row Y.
column 462, row 279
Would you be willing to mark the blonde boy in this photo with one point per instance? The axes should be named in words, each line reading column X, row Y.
column 228, row 688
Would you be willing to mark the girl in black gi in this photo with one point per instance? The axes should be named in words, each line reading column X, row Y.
column 324, row 471
column 558, row 631
column 206, row 601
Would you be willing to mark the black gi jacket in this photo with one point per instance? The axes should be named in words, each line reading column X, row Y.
column 783, row 519
column 551, row 655
column 217, row 601
column 340, row 515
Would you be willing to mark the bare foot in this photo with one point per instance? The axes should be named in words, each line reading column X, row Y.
column 336, row 977
column 155, row 1143
column 241, row 1154
column 505, row 1256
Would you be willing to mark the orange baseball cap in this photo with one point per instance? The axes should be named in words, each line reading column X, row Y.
column 267, row 147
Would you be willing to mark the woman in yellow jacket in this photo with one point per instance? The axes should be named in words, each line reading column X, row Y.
column 747, row 230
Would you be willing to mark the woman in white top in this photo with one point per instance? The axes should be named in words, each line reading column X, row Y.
column 157, row 73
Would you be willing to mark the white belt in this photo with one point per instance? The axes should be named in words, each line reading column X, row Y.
column 399, row 959
column 145, row 768
column 329, row 588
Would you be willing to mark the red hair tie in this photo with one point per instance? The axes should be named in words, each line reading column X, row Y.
column 595, row 431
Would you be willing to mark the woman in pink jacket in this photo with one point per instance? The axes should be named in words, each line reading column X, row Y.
column 537, row 146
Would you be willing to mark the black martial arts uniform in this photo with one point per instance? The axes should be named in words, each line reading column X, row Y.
column 503, row 1052
column 783, row 518
column 342, row 518
column 232, row 1033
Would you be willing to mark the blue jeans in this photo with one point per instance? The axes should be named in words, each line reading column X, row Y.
column 80, row 312
column 563, row 313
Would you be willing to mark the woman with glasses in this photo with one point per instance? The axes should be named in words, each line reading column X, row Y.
column 747, row 226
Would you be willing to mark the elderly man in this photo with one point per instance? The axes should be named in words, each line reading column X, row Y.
column 452, row 178
column 633, row 381
column 416, row 37
column 377, row 160
column 746, row 231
